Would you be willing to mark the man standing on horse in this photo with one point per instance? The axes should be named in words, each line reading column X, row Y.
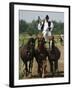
column 46, row 26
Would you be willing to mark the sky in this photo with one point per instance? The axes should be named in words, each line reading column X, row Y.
column 28, row 16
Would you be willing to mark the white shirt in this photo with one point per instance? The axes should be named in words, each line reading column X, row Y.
column 45, row 26
column 39, row 26
column 52, row 26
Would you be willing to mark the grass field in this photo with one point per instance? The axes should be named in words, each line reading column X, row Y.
column 22, row 41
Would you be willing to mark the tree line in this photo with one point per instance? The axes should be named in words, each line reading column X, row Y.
column 31, row 28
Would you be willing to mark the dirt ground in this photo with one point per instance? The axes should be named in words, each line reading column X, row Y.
column 35, row 67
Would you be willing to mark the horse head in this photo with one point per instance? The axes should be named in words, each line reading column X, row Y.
column 41, row 43
column 31, row 43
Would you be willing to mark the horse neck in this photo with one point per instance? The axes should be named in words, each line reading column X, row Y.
column 53, row 44
column 41, row 47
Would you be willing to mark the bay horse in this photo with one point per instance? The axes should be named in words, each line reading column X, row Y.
column 27, row 54
column 53, row 57
column 40, row 56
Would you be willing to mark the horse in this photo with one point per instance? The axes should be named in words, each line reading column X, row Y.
column 40, row 56
column 53, row 57
column 46, row 26
column 27, row 54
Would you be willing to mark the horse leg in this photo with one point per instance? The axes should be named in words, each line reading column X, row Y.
column 51, row 67
column 49, row 44
column 40, row 69
column 26, row 69
column 30, row 66
column 43, row 69
column 45, row 66
column 56, row 66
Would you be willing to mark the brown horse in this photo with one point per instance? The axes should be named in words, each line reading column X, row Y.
column 40, row 55
column 27, row 54
column 53, row 56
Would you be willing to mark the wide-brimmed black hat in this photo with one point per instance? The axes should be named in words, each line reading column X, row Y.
column 47, row 17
